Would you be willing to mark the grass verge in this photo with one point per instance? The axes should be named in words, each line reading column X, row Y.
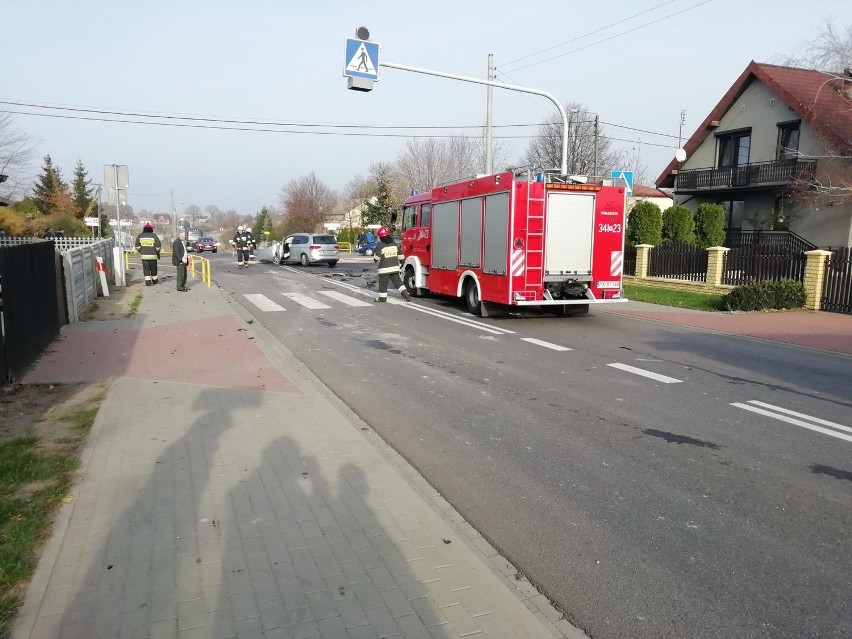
column 35, row 477
column 134, row 305
column 673, row 297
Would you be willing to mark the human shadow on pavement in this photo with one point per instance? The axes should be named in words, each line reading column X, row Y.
column 304, row 558
column 140, row 567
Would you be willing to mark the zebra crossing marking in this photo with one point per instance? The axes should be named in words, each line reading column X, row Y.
column 263, row 302
column 306, row 300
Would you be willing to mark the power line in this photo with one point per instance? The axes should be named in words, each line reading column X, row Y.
column 255, row 121
column 250, row 121
column 261, row 130
column 617, row 35
column 586, row 35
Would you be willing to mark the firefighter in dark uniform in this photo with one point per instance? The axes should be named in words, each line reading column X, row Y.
column 241, row 242
column 148, row 247
column 252, row 243
column 389, row 258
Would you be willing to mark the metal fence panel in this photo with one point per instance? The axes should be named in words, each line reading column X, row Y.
column 837, row 290
column 675, row 260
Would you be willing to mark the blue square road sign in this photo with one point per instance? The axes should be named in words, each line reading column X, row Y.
column 361, row 59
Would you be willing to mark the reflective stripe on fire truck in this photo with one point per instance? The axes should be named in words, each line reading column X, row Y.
column 616, row 263
column 518, row 261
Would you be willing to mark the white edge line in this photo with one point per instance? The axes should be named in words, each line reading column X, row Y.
column 816, row 420
column 790, row 420
column 434, row 312
column 648, row 374
column 555, row 347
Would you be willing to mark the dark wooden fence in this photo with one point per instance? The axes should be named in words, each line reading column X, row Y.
column 629, row 260
column 764, row 261
column 28, row 304
column 837, row 289
column 674, row 260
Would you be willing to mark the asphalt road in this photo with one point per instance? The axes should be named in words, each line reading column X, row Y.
column 653, row 481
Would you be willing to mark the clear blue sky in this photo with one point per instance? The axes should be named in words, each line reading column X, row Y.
column 282, row 60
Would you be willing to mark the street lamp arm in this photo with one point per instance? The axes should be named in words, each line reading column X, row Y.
column 499, row 85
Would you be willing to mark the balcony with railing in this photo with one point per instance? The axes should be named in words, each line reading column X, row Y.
column 746, row 176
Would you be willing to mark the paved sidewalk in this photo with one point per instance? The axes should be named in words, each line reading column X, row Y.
column 812, row 329
column 204, row 509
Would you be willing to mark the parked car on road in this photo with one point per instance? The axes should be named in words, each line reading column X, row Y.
column 367, row 249
column 206, row 244
column 309, row 248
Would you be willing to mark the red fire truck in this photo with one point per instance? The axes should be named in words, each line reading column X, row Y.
column 517, row 239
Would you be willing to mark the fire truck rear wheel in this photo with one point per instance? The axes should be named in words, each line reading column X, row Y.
column 409, row 281
column 471, row 298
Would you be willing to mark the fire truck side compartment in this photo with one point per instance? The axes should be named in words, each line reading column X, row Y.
column 471, row 232
column 445, row 235
column 496, row 235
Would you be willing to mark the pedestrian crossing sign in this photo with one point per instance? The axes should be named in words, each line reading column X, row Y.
column 361, row 59
column 627, row 176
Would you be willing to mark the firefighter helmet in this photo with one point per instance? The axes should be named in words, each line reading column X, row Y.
column 240, row 227
column 148, row 227
column 383, row 232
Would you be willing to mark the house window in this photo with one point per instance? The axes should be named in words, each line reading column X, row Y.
column 734, row 148
column 788, row 140
column 734, row 214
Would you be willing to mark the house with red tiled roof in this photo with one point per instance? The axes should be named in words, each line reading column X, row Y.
column 662, row 199
column 776, row 152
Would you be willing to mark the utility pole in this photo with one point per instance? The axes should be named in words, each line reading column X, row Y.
column 489, row 132
column 680, row 130
column 174, row 215
column 597, row 125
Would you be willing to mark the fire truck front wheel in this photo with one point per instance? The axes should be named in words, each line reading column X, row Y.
column 410, row 282
column 471, row 298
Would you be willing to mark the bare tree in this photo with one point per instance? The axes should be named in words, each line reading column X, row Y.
column 213, row 212
column 545, row 150
column 829, row 51
column 428, row 162
column 16, row 153
column 632, row 161
column 306, row 202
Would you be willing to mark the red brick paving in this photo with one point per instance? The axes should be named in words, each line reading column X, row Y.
column 167, row 353
column 826, row 331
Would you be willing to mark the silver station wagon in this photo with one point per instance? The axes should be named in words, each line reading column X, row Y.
column 308, row 248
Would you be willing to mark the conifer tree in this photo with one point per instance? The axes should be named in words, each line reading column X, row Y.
column 379, row 208
column 82, row 189
column 48, row 184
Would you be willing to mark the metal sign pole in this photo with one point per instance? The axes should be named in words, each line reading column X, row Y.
column 500, row 85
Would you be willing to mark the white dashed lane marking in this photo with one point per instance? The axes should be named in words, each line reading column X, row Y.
column 540, row 342
column 263, row 302
column 638, row 371
column 799, row 419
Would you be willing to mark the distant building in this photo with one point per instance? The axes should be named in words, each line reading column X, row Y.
column 661, row 198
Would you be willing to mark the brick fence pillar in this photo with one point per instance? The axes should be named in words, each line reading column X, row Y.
column 814, row 278
column 643, row 258
column 715, row 265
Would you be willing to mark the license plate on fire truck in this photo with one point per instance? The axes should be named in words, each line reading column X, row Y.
column 608, row 284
